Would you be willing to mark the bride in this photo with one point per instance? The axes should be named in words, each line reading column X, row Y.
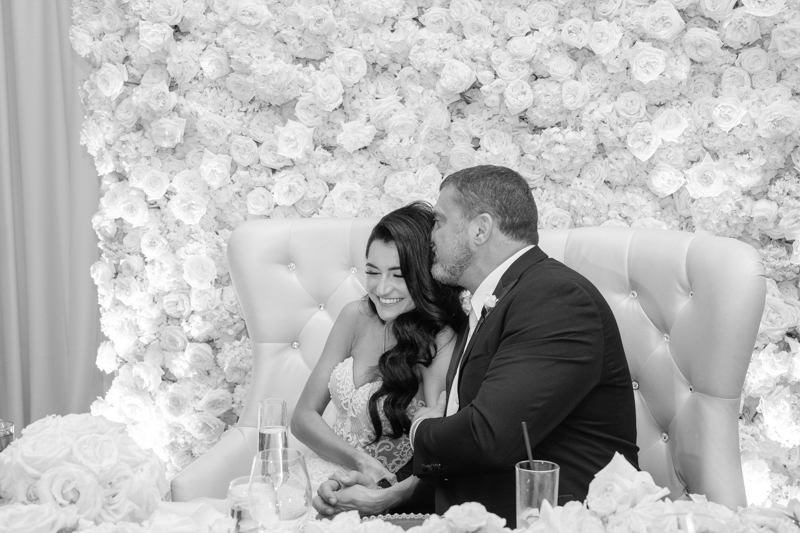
column 386, row 356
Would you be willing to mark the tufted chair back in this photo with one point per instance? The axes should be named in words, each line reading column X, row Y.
column 688, row 308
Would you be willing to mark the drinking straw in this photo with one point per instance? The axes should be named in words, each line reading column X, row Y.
column 527, row 444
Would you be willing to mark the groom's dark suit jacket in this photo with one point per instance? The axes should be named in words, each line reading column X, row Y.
column 548, row 353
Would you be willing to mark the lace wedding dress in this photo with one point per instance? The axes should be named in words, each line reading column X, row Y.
column 355, row 427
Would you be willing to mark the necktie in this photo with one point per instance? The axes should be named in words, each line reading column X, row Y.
column 452, row 403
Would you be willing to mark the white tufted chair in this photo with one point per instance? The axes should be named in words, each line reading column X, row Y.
column 688, row 307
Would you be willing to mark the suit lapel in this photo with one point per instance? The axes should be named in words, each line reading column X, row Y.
column 461, row 339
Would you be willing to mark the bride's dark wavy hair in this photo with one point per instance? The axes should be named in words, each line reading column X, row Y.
column 436, row 306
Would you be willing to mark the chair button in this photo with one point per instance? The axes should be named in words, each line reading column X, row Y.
column 321, row 307
column 633, row 294
column 291, row 266
column 664, row 437
column 353, row 270
column 691, row 389
column 666, row 337
column 635, row 385
column 691, row 294
column 295, row 345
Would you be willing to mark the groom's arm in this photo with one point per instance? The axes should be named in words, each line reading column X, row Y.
column 549, row 357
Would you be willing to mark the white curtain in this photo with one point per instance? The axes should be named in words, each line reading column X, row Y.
column 49, row 328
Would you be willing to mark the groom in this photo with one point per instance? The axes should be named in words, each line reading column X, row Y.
column 543, row 347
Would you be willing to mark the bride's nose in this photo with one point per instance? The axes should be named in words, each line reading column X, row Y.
column 384, row 286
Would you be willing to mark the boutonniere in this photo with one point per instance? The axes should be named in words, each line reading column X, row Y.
column 489, row 302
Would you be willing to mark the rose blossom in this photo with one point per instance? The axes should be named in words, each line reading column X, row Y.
column 604, row 37
column 110, row 80
column 647, row 63
column 347, row 198
column 517, row 22
column 260, row 202
column 717, row 9
column 739, row 29
column 199, row 271
column 521, row 48
column 595, row 77
column 154, row 245
column 212, row 129
column 728, row 113
column 753, row 60
column 154, row 35
column 461, row 10
column 542, row 15
column 173, row 339
column 155, row 183
column 786, row 40
column 177, row 401
column 575, row 32
column 68, row 485
column 701, row 44
column 320, row 20
column 456, row 77
column 216, row 402
column 477, row 26
column 630, row 105
column 705, row 179
column 662, row 21
column 664, row 180
column 643, row 141
column 574, row 94
column 402, row 124
column 295, row 140
column 734, row 81
column 764, row 8
column 252, row 13
column 244, row 150
column 328, row 92
column 44, row 518
column 518, row 96
column 290, row 186
column 670, row 124
column 167, row 132
column 188, row 207
column 356, row 135
column 789, row 223
column 349, row 65
column 169, row 12
column 215, row 169
column 553, row 217
column 764, row 79
column 214, row 63
column 764, row 213
column 199, row 356
column 436, row 19
column 240, row 87
column 561, row 67
column 510, row 71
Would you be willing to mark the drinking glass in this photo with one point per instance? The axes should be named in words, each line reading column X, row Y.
column 283, row 469
column 537, row 481
column 239, row 505
column 6, row 434
column 272, row 424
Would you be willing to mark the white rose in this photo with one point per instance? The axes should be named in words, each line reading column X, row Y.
column 269, row 157
column 402, row 185
column 764, row 213
column 477, row 27
column 199, row 271
column 328, row 92
column 595, row 76
column 68, row 485
column 778, row 121
column 356, row 135
column 167, row 132
column 110, row 80
column 45, row 518
column 347, row 198
column 173, row 339
column 169, row 12
column 154, row 35
column 609, row 493
column 717, row 9
column 575, row 32
column 466, row 517
column 461, row 10
column 664, row 180
column 595, row 172
column 786, row 40
column 96, row 453
column 701, row 44
column 789, row 224
column 216, row 402
column 176, row 305
column 205, row 427
column 177, row 401
column 212, row 129
column 517, row 22
column 521, row 48
column 518, row 96
column 214, row 63
column 244, row 150
column 295, row 140
column 127, row 113
column 606, row 9
column 764, row 79
column 643, row 141
column 753, row 60
column 199, row 356
column 647, row 62
column 728, row 113
column 705, row 179
column 777, row 319
column 542, row 15
column 604, row 37
column 290, row 186
column 436, row 19
column 240, row 87
column 252, row 13
column 154, row 245
column 154, row 183
column 764, row 8
column 349, row 65
column 734, row 82
column 402, row 124
column 204, row 300
column 383, row 108
column 188, row 207
column 561, row 67
column 553, row 217
column 670, row 124
column 106, row 357
column 260, row 202
column 574, row 94
column 134, row 211
column 739, row 29
column 320, row 20
column 630, row 105
column 462, row 155
column 456, row 77
column 215, row 169
column 662, row 21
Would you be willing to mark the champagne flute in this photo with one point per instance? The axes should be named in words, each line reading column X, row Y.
column 285, row 468
column 272, row 424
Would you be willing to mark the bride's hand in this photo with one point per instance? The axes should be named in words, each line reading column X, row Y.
column 368, row 465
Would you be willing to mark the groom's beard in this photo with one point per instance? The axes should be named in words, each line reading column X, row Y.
column 460, row 258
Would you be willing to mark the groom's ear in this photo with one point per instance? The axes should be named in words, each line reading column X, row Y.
column 484, row 226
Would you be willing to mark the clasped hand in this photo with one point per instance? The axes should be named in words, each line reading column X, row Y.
column 353, row 491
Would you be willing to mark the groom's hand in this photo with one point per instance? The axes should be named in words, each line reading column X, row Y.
column 436, row 411
column 347, row 492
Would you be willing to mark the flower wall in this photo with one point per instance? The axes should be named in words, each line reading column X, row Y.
column 202, row 114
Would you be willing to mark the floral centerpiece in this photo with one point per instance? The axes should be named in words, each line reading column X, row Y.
column 202, row 114
column 620, row 500
column 75, row 472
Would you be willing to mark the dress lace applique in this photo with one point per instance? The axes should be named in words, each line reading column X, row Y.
column 354, row 425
